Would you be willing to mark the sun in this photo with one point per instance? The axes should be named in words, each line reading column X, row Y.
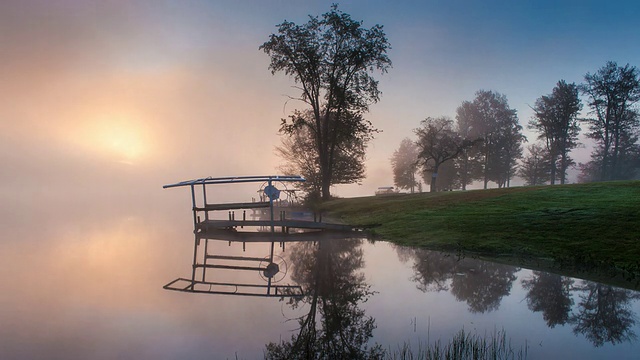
column 121, row 138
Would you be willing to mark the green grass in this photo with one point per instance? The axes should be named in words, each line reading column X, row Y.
column 590, row 229
column 463, row 346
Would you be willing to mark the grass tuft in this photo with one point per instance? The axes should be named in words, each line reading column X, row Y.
column 463, row 346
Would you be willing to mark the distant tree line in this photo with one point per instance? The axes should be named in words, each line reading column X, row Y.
column 485, row 142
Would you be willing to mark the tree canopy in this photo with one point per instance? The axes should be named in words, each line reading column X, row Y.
column 438, row 142
column 612, row 91
column 489, row 117
column 404, row 162
column 331, row 59
column 298, row 151
column 556, row 121
column 535, row 169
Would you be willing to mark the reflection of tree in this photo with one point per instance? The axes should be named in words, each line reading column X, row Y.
column 335, row 327
column 481, row 284
column 433, row 270
column 550, row 294
column 603, row 314
column 405, row 253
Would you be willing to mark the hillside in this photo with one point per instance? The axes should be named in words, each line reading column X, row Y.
column 590, row 230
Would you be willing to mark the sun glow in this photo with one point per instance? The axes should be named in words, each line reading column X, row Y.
column 121, row 138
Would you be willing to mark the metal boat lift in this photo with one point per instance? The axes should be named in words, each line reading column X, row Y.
column 207, row 228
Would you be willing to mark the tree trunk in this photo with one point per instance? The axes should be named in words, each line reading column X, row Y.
column 488, row 145
column 413, row 179
column 606, row 144
column 553, row 170
column 326, row 186
column 563, row 167
column 434, row 177
column 605, row 159
column 616, row 151
column 325, row 177
column 465, row 170
column 486, row 169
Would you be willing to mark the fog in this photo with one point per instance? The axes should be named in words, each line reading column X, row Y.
column 117, row 98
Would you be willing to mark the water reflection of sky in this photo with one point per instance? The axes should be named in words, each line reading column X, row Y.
column 88, row 284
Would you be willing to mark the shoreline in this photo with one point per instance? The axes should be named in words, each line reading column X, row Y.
column 590, row 231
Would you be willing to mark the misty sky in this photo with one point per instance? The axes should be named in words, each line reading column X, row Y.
column 101, row 96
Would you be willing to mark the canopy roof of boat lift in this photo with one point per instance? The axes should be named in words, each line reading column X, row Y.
column 235, row 179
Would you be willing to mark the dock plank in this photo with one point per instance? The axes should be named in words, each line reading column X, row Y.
column 233, row 206
column 297, row 224
column 240, row 236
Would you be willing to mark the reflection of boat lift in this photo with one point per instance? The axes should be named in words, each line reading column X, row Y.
column 271, row 269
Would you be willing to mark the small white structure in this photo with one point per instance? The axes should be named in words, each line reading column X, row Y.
column 386, row 190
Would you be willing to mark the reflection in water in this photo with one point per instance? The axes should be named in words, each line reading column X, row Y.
column 604, row 314
column 433, row 270
column 271, row 270
column 482, row 285
column 550, row 294
column 96, row 293
column 335, row 327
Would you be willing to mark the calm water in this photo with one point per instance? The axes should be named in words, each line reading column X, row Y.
column 85, row 282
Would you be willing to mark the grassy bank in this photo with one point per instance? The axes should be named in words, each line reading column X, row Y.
column 591, row 229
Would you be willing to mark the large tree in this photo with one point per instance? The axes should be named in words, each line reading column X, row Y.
column 297, row 149
column 612, row 91
column 505, row 152
column 628, row 161
column 438, row 142
column 556, row 121
column 489, row 118
column 331, row 59
column 448, row 175
column 404, row 162
column 468, row 163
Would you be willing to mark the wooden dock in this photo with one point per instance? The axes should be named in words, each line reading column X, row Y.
column 278, row 237
column 233, row 206
column 207, row 225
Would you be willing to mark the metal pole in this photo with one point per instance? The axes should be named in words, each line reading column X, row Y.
column 204, row 269
column 269, row 287
column 271, row 208
column 193, row 207
column 272, row 226
column 204, row 196
column 195, row 260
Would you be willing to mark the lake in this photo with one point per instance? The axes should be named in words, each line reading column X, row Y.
column 85, row 281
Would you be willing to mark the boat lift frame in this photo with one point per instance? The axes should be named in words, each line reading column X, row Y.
column 199, row 232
